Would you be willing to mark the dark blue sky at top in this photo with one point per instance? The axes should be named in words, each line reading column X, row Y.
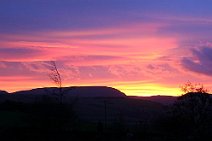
column 42, row 15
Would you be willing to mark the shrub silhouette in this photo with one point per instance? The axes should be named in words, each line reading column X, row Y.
column 191, row 114
column 190, row 87
column 189, row 118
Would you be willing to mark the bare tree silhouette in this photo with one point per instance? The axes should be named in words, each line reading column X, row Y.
column 55, row 76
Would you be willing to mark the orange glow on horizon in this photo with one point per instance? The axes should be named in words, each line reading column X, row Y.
column 130, row 89
column 149, row 90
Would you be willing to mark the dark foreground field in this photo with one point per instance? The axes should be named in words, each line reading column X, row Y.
column 95, row 119
column 85, row 118
column 121, row 118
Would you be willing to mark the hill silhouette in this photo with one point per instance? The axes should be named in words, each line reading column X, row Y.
column 80, row 91
column 90, row 103
column 52, row 94
column 165, row 100
column 3, row 92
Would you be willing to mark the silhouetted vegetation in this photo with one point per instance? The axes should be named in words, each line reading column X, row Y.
column 193, row 88
column 189, row 118
column 55, row 76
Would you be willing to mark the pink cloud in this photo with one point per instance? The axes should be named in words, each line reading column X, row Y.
column 117, row 56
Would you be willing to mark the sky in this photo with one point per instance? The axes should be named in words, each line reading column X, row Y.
column 141, row 47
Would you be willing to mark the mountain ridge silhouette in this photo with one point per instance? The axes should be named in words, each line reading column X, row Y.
column 80, row 91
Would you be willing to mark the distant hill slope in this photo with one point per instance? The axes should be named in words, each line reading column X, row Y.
column 165, row 100
column 3, row 95
column 81, row 91
column 51, row 94
column 3, row 92
column 77, row 91
column 94, row 91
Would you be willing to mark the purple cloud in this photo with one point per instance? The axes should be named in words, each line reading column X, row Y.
column 203, row 64
column 18, row 53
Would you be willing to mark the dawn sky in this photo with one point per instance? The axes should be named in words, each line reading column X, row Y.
column 141, row 47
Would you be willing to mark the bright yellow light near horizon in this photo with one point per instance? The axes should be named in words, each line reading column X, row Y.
column 149, row 90
column 129, row 88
